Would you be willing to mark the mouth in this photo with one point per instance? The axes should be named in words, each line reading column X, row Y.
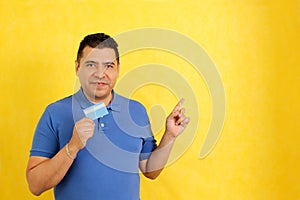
column 100, row 84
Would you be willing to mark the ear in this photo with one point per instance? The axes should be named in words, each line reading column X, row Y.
column 76, row 66
column 118, row 68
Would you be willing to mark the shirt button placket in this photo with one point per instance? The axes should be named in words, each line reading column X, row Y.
column 100, row 124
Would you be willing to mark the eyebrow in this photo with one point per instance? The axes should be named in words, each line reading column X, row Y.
column 108, row 63
column 90, row 61
column 95, row 62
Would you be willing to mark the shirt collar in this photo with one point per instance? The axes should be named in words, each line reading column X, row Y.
column 115, row 104
column 84, row 103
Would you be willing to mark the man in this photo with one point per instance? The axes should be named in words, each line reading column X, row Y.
column 98, row 159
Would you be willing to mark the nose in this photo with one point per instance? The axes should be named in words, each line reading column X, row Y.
column 100, row 72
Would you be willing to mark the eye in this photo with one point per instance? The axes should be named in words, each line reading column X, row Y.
column 109, row 66
column 90, row 65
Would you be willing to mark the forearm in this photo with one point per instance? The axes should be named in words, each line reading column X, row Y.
column 175, row 124
column 44, row 175
column 159, row 156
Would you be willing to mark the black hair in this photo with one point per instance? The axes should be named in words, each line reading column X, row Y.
column 100, row 41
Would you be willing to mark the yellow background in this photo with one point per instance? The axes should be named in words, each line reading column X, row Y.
column 254, row 43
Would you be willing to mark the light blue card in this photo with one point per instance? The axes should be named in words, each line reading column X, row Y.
column 96, row 111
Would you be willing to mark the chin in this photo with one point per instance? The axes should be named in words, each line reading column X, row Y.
column 101, row 95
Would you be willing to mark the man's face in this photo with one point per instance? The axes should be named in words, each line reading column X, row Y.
column 98, row 71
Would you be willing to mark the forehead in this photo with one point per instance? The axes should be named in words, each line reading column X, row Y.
column 107, row 54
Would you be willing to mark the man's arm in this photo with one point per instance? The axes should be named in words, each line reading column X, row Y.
column 44, row 173
column 175, row 124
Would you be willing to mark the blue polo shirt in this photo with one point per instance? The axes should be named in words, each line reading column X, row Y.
column 107, row 168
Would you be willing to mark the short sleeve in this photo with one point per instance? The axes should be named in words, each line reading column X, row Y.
column 140, row 117
column 149, row 144
column 45, row 142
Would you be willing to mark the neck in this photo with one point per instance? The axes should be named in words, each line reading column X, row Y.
column 95, row 100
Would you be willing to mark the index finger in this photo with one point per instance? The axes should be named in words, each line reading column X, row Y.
column 179, row 104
